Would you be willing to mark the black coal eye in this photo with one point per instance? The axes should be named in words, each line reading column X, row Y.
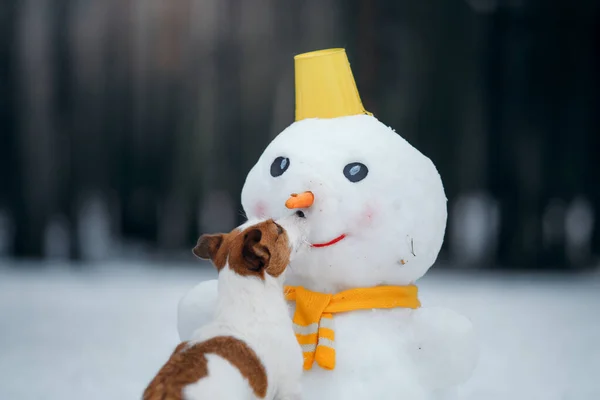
column 356, row 171
column 279, row 166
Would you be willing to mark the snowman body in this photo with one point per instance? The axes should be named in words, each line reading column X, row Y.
column 372, row 360
column 378, row 218
column 381, row 354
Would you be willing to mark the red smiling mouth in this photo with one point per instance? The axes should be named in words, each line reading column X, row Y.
column 331, row 242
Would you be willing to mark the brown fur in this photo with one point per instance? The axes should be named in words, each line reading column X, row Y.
column 258, row 249
column 188, row 365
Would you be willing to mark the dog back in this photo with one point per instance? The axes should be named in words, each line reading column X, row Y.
column 188, row 365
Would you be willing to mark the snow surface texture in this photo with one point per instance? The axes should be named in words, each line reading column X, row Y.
column 102, row 334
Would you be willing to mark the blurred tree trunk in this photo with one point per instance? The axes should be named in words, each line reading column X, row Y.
column 228, row 154
column 514, row 146
column 564, row 49
column 118, row 105
column 91, row 158
column 175, row 155
column 64, row 111
column 142, row 169
column 203, row 75
column 9, row 162
column 37, row 142
column 223, row 151
column 593, row 176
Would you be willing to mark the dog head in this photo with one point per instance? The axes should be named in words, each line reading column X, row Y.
column 257, row 248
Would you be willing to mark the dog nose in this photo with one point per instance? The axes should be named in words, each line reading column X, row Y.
column 302, row 200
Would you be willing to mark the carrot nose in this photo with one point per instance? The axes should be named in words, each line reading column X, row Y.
column 302, row 200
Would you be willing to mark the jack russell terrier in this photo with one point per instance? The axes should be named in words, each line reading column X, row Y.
column 249, row 351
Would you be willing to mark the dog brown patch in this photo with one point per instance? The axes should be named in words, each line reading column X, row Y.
column 188, row 365
column 215, row 247
column 258, row 249
column 208, row 245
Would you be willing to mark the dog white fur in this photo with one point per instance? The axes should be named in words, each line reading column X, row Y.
column 250, row 308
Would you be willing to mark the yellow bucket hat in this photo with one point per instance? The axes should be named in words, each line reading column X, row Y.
column 325, row 86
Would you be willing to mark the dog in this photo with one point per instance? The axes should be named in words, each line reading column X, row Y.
column 249, row 350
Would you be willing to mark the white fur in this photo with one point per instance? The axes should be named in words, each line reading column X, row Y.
column 381, row 353
column 254, row 311
column 225, row 383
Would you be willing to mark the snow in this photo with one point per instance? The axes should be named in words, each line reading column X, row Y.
column 102, row 332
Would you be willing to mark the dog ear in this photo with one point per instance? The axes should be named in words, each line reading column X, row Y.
column 256, row 256
column 207, row 246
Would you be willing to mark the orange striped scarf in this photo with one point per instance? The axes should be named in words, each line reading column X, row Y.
column 313, row 319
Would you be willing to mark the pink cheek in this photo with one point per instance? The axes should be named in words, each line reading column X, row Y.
column 260, row 209
column 367, row 216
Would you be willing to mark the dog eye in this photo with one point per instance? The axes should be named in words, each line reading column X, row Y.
column 279, row 166
column 355, row 171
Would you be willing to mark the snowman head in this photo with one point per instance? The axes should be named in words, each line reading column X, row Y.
column 375, row 205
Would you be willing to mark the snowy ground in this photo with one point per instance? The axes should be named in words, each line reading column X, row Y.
column 102, row 333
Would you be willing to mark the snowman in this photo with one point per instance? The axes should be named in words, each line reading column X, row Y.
column 377, row 211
